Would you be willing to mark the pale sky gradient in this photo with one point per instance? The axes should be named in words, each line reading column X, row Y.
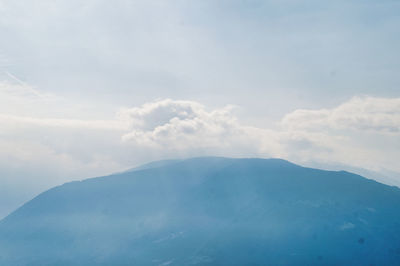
column 90, row 87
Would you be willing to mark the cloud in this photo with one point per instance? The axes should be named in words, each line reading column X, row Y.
column 63, row 123
column 21, row 104
column 362, row 133
column 358, row 114
column 18, row 97
column 37, row 137
column 180, row 124
column 189, row 127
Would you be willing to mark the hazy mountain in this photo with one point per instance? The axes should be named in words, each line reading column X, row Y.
column 209, row 211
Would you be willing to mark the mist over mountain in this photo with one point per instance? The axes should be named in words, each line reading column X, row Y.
column 209, row 211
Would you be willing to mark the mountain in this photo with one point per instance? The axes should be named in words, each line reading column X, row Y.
column 209, row 211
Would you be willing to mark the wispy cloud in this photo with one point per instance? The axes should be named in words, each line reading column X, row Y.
column 362, row 132
column 65, row 123
column 358, row 114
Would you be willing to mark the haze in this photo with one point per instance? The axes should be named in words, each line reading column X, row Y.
column 89, row 88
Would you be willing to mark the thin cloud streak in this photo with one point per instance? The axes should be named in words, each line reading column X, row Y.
column 67, row 123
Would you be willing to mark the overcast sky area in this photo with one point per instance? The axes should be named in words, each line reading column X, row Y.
column 88, row 88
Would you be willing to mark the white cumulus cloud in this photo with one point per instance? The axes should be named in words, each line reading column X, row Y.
column 184, row 125
column 362, row 132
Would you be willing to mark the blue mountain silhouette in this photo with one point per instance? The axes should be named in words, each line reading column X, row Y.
column 209, row 211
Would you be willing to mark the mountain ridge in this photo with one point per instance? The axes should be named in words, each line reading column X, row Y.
column 200, row 210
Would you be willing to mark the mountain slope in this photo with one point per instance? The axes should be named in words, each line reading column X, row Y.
column 209, row 211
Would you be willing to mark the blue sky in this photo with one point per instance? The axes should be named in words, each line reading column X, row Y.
column 92, row 87
column 309, row 53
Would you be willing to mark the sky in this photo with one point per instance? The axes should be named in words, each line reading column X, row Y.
column 88, row 88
